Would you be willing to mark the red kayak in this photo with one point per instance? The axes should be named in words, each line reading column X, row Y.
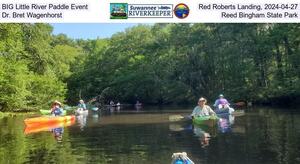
column 38, row 121
column 47, row 127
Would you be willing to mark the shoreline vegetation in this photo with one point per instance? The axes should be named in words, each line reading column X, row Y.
column 237, row 106
column 160, row 64
column 14, row 114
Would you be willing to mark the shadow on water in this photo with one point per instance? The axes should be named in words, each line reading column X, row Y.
column 147, row 136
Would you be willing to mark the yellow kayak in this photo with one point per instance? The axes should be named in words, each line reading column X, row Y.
column 48, row 120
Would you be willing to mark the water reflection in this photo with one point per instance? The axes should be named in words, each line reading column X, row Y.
column 225, row 123
column 176, row 127
column 81, row 120
column 204, row 136
column 260, row 136
column 209, row 129
column 58, row 133
column 112, row 109
column 47, row 127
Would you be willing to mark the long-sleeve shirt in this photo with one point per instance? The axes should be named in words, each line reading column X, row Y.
column 205, row 111
column 83, row 106
column 221, row 101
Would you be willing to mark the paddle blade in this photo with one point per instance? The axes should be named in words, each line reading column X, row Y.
column 175, row 117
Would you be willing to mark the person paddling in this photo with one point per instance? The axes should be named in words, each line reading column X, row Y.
column 222, row 103
column 56, row 109
column 81, row 105
column 202, row 109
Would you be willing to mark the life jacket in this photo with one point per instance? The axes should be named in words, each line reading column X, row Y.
column 57, row 111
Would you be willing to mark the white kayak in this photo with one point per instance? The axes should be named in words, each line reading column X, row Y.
column 81, row 112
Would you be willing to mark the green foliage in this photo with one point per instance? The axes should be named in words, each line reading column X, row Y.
column 44, row 89
column 63, row 57
column 14, row 80
column 33, row 66
column 158, row 64
column 177, row 63
column 37, row 38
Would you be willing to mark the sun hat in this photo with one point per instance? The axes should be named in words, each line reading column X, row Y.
column 202, row 99
column 57, row 102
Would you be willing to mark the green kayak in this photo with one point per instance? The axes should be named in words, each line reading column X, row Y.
column 205, row 119
column 48, row 112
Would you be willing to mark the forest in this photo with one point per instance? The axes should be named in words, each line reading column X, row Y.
column 155, row 64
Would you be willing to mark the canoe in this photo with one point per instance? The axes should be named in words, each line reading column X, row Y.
column 48, row 112
column 47, row 127
column 204, row 119
column 48, row 120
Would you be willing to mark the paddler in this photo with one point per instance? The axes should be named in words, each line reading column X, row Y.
column 221, row 102
column 81, row 105
column 56, row 109
column 202, row 109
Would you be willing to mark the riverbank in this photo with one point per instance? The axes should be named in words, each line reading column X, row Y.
column 288, row 101
column 14, row 114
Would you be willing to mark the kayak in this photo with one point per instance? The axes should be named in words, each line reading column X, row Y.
column 47, row 127
column 81, row 112
column 94, row 109
column 181, row 158
column 204, row 119
column 228, row 110
column 222, row 111
column 48, row 120
column 48, row 112
column 70, row 108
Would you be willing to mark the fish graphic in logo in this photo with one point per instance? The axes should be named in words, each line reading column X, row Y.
column 181, row 11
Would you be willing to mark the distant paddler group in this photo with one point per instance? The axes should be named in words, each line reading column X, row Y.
column 203, row 112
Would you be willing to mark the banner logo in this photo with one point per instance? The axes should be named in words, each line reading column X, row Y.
column 118, row 11
column 181, row 11
column 150, row 11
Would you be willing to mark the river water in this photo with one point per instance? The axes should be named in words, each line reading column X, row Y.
column 147, row 136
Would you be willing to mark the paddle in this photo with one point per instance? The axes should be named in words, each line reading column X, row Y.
column 238, row 113
column 239, row 104
column 69, row 107
column 178, row 117
column 235, row 113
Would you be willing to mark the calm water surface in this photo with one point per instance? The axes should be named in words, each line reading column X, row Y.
column 147, row 136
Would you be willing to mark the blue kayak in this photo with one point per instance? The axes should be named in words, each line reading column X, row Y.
column 222, row 111
column 181, row 158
